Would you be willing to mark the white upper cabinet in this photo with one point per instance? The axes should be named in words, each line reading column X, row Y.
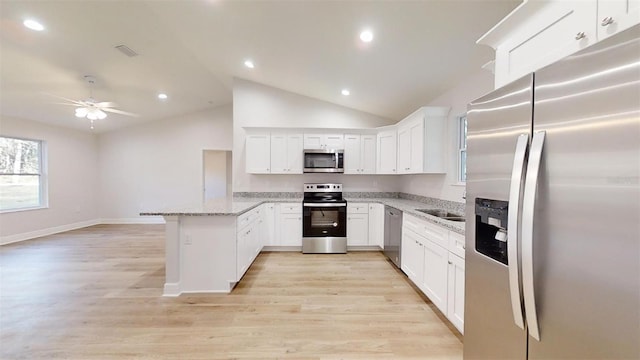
column 386, row 152
column 616, row 15
column 286, row 153
column 421, row 145
column 324, row 141
column 258, row 154
column 359, row 154
column 538, row 33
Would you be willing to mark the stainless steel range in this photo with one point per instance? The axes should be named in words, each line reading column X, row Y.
column 324, row 229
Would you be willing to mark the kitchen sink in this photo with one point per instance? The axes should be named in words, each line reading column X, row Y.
column 443, row 214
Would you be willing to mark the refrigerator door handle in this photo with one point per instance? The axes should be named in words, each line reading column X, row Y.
column 513, row 231
column 528, row 211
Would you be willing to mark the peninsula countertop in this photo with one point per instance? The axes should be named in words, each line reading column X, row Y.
column 234, row 206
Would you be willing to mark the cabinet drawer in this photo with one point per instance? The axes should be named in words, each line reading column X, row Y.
column 291, row 208
column 435, row 233
column 248, row 217
column 359, row 208
column 456, row 244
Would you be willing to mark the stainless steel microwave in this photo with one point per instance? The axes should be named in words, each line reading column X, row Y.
column 320, row 160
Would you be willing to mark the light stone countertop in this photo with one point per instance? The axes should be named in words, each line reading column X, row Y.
column 238, row 206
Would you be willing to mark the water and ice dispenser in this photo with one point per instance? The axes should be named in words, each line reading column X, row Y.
column 491, row 228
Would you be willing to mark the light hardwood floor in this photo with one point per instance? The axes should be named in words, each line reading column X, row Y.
column 95, row 293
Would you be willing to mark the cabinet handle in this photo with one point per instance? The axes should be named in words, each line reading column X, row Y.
column 267, row 169
column 581, row 35
column 299, row 218
column 393, row 170
column 464, row 246
column 450, row 263
column 607, row 21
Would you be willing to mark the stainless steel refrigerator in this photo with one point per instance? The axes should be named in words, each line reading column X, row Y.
column 553, row 211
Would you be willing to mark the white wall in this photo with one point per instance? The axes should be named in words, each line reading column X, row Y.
column 215, row 174
column 445, row 186
column 72, row 175
column 159, row 164
column 257, row 105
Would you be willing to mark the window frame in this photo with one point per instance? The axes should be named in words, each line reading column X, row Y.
column 462, row 147
column 43, row 195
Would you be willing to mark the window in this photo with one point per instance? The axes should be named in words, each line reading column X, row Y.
column 21, row 174
column 462, row 148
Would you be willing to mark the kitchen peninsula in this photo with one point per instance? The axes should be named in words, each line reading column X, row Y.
column 210, row 246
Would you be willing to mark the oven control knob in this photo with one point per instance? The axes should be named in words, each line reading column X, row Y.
column 335, row 224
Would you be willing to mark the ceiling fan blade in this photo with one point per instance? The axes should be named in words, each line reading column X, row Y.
column 77, row 102
column 106, row 104
column 116, row 111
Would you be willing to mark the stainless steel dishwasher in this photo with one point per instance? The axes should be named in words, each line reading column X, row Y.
column 392, row 234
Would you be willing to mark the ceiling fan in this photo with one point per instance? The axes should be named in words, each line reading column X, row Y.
column 92, row 109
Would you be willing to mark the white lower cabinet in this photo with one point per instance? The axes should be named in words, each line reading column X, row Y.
column 250, row 238
column 376, row 225
column 289, row 225
column 430, row 258
column 434, row 280
column 412, row 256
column 455, row 291
column 358, row 229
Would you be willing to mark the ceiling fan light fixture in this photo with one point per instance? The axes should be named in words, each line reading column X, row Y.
column 81, row 112
column 100, row 114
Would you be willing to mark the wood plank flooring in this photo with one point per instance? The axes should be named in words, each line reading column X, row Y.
column 95, row 293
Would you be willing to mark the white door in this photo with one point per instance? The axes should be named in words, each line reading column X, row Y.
column 258, row 154
column 376, row 225
column 455, row 293
column 214, row 171
column 279, row 154
column 367, row 154
column 357, row 229
column 386, row 152
column 352, row 154
column 291, row 230
column 294, row 153
column 412, row 256
column 417, row 147
column 434, row 284
column 404, row 150
column 616, row 15
column 313, row 141
column 334, row 141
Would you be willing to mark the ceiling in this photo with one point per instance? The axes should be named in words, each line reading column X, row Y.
column 192, row 50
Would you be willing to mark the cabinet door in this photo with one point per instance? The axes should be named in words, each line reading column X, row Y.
column 455, row 293
column 434, row 284
column 412, row 257
column 291, row 230
column 616, row 15
column 258, row 154
column 386, row 152
column 294, row 153
column 279, row 154
column 417, row 147
column 334, row 141
column 551, row 34
column 313, row 141
column 404, row 150
column 376, row 225
column 352, row 156
column 242, row 251
column 269, row 224
column 357, row 229
column 367, row 154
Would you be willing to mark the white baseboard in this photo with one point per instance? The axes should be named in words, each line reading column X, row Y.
column 171, row 290
column 9, row 239
column 135, row 220
column 48, row 231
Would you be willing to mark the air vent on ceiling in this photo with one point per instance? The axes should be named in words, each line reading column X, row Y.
column 126, row 50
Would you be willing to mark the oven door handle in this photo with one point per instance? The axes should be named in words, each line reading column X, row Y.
column 323, row 205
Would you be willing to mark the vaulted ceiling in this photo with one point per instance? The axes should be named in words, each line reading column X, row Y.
column 192, row 50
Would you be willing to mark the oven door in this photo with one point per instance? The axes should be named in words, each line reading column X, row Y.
column 324, row 220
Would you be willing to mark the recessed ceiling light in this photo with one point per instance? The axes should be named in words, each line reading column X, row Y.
column 33, row 25
column 249, row 64
column 346, row 92
column 366, row 36
column 163, row 96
